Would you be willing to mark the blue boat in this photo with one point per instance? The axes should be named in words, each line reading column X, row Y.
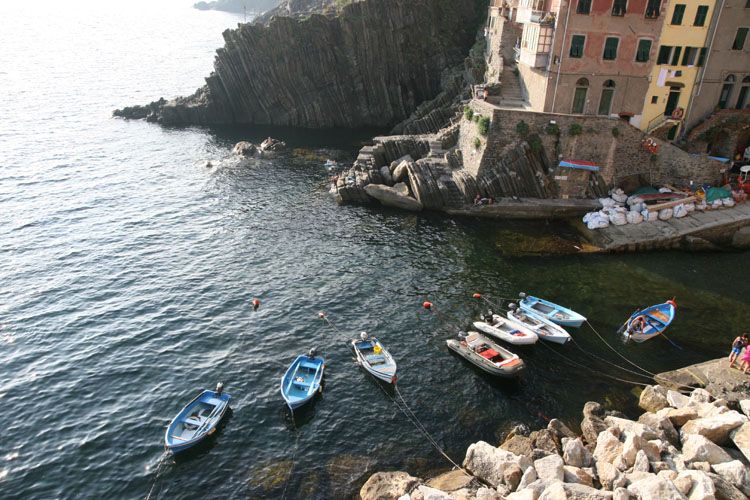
column 197, row 420
column 302, row 379
column 550, row 311
column 650, row 322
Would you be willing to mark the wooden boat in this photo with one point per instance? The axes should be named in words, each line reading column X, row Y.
column 374, row 358
column 650, row 322
column 506, row 330
column 302, row 379
column 197, row 420
column 486, row 355
column 545, row 329
column 551, row 311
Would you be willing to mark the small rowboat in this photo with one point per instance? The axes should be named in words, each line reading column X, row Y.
column 650, row 322
column 551, row 311
column 302, row 379
column 506, row 330
column 197, row 420
column 545, row 329
column 486, row 355
column 374, row 358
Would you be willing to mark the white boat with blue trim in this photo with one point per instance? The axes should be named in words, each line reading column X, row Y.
column 197, row 420
column 374, row 358
column 551, row 311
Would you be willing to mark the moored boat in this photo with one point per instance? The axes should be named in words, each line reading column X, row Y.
column 506, row 330
column 649, row 322
column 486, row 355
column 374, row 358
column 302, row 380
column 197, row 420
column 551, row 311
column 545, row 329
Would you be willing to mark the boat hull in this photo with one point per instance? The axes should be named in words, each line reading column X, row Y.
column 505, row 331
column 508, row 371
column 545, row 329
column 302, row 381
column 181, row 426
column 553, row 312
column 657, row 319
column 380, row 365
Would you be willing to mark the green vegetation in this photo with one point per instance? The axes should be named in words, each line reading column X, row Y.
column 477, row 143
column 590, row 130
column 615, row 132
column 552, row 129
column 468, row 113
column 575, row 129
column 522, row 129
column 484, row 125
column 340, row 4
column 535, row 143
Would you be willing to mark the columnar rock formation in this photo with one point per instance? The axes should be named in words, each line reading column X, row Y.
column 684, row 447
column 372, row 64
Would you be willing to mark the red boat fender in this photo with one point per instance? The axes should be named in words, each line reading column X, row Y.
column 427, row 305
column 672, row 301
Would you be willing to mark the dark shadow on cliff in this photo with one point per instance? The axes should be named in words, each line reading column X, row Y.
column 345, row 139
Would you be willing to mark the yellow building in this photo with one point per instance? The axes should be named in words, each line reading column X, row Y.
column 682, row 51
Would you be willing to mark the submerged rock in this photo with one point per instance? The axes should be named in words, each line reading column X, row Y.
column 383, row 485
column 392, row 197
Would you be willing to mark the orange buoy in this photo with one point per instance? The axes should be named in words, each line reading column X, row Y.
column 256, row 304
column 477, row 295
column 427, row 305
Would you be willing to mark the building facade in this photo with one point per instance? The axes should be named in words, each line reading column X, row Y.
column 681, row 54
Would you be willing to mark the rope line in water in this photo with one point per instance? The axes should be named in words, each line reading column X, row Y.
column 607, row 361
column 291, row 468
column 616, row 351
column 162, row 460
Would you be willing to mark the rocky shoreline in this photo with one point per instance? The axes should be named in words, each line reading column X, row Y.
column 685, row 446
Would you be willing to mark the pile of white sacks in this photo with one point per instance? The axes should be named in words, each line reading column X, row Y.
column 620, row 209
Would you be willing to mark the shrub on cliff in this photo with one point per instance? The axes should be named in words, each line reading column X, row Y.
column 484, row 125
column 468, row 113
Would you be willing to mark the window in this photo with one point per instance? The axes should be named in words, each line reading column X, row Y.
column 605, row 102
column 610, row 48
column 676, row 56
column 545, row 40
column 584, row 6
column 688, row 59
column 664, row 52
column 679, row 11
column 579, row 99
column 576, row 46
column 700, row 15
column 642, row 53
column 726, row 91
column 619, row 7
column 701, row 57
column 739, row 39
column 744, row 91
column 654, row 99
column 653, row 7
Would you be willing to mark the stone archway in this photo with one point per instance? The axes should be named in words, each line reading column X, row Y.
column 743, row 141
column 721, row 145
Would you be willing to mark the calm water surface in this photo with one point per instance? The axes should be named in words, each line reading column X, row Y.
column 127, row 268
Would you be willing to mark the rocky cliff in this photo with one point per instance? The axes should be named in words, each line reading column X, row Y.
column 372, row 64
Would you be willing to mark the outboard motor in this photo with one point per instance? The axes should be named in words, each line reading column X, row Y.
column 313, row 352
column 512, row 306
column 219, row 388
column 488, row 317
column 363, row 336
column 462, row 335
column 522, row 295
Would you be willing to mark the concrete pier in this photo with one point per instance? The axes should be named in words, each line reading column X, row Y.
column 529, row 208
column 715, row 376
column 699, row 230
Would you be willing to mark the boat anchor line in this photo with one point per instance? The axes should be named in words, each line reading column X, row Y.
column 162, row 461
column 578, row 346
column 291, row 467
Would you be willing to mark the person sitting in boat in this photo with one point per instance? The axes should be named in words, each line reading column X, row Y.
column 488, row 318
column 737, row 345
column 638, row 325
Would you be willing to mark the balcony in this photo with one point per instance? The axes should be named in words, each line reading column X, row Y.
column 533, row 59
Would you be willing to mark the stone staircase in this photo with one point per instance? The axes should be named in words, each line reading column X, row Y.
column 511, row 93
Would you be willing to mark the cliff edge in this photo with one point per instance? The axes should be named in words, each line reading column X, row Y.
column 372, row 64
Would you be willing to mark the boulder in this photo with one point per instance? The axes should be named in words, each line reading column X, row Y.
column 577, row 475
column 741, row 439
column 633, row 444
column 388, row 485
column 641, row 462
column 667, row 474
column 625, row 425
column 401, row 188
column 485, row 493
column 450, row 481
column 621, row 494
column 529, row 476
column 545, row 440
column 725, row 490
column 701, row 466
column 608, row 474
column 696, row 448
column 523, row 495
column 655, row 487
column 735, row 473
column 653, row 398
column 401, row 171
column 512, row 476
column 608, row 447
column 577, row 491
column 741, row 238
column 681, row 416
column 677, row 399
column 659, row 466
column 635, row 476
column 592, row 409
column 272, row 145
column 426, row 493
column 396, row 163
column 591, row 427
column 683, row 483
column 700, row 395
column 385, row 173
column 661, row 424
column 391, row 197
column 519, row 445
column 554, row 491
column 550, row 468
column 702, row 488
column 561, row 430
column 575, row 454
column 716, row 428
column 744, row 406
column 489, row 463
column 245, row 149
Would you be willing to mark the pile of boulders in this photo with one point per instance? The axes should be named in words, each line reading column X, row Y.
column 266, row 149
column 684, row 447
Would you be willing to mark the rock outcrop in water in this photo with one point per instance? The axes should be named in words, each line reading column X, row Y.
column 372, row 64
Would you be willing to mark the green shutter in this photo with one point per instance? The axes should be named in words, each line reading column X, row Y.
column 610, row 48
column 676, row 56
column 679, row 11
column 664, row 52
column 700, row 15
column 644, row 48
column 701, row 57
column 576, row 46
column 739, row 39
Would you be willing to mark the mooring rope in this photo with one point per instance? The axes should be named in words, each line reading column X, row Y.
column 618, row 352
column 162, row 460
column 294, row 457
column 608, row 361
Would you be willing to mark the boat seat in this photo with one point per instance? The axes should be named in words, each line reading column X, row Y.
column 193, row 421
column 368, row 344
column 375, row 359
column 307, row 364
column 473, row 340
